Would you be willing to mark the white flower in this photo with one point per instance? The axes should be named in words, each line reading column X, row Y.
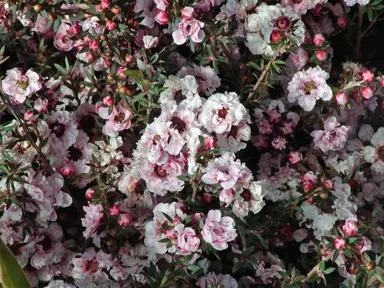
column 222, row 111
column 308, row 86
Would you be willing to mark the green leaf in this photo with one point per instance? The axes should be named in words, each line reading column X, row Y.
column 322, row 266
column 60, row 68
column 329, row 270
column 183, row 178
column 12, row 274
column 135, row 74
column 193, row 268
column 370, row 14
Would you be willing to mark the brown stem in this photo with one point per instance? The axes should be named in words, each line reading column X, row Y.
column 261, row 78
column 314, row 270
column 243, row 241
column 358, row 34
column 12, row 109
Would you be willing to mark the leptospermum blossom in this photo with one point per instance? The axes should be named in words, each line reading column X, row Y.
column 332, row 138
column 188, row 27
column 218, row 231
column 118, row 119
column 20, row 86
column 309, row 86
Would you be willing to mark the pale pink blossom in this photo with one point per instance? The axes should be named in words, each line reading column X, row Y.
column 339, row 243
column 20, row 86
column 295, row 157
column 118, row 120
column 92, row 219
column 306, row 87
column 62, row 39
column 332, row 138
column 221, row 111
column 350, row 227
column 187, row 241
column 224, row 170
column 218, row 231
column 192, row 28
column 212, row 280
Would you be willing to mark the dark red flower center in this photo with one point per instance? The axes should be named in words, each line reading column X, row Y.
column 222, row 113
column 58, row 129
column 178, row 124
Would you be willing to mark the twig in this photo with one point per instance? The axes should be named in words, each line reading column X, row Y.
column 38, row 150
column 314, row 270
column 243, row 241
column 261, row 78
column 358, row 34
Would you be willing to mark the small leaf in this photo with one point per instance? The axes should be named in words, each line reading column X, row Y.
column 193, row 268
column 12, row 274
column 329, row 270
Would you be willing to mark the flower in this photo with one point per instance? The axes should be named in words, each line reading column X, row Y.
column 212, row 280
column 62, row 39
column 20, row 86
column 249, row 200
column 92, row 219
column 125, row 220
column 339, row 243
column 189, row 28
column 295, row 157
column 332, row 138
column 308, row 86
column 218, row 231
column 273, row 24
column 187, row 240
column 221, row 111
column 117, row 120
column 350, row 227
column 224, row 170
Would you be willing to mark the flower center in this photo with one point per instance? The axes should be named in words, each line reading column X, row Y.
column 178, row 124
column 246, row 195
column 74, row 153
column 87, row 123
column 23, row 84
column 222, row 113
column 90, row 266
column 276, row 36
column 58, row 129
column 283, row 23
column 308, row 87
column 160, row 171
column 46, row 243
column 119, row 118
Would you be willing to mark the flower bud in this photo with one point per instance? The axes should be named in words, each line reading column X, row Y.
column 114, row 210
column 340, row 243
column 342, row 98
column 321, row 55
column 89, row 193
column 318, row 40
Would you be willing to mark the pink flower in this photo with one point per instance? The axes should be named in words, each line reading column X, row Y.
column 224, row 170
column 350, row 227
column 93, row 45
column 212, row 280
column 339, row 243
column 89, row 193
column 187, row 241
column 318, row 39
column 328, row 184
column 210, row 142
column 187, row 13
column 321, row 55
column 279, row 143
column 367, row 75
column 295, row 157
column 227, row 196
column 342, row 98
column 221, row 111
column 67, row 170
column 333, row 138
column 309, row 181
column 150, row 41
column 92, row 219
column 218, row 231
column 61, row 40
column 118, row 120
column 162, row 4
column 366, row 92
column 125, row 220
column 108, row 101
column 20, row 86
column 114, row 210
column 161, row 17
column 110, row 25
column 189, row 28
column 308, row 86
column 40, row 105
